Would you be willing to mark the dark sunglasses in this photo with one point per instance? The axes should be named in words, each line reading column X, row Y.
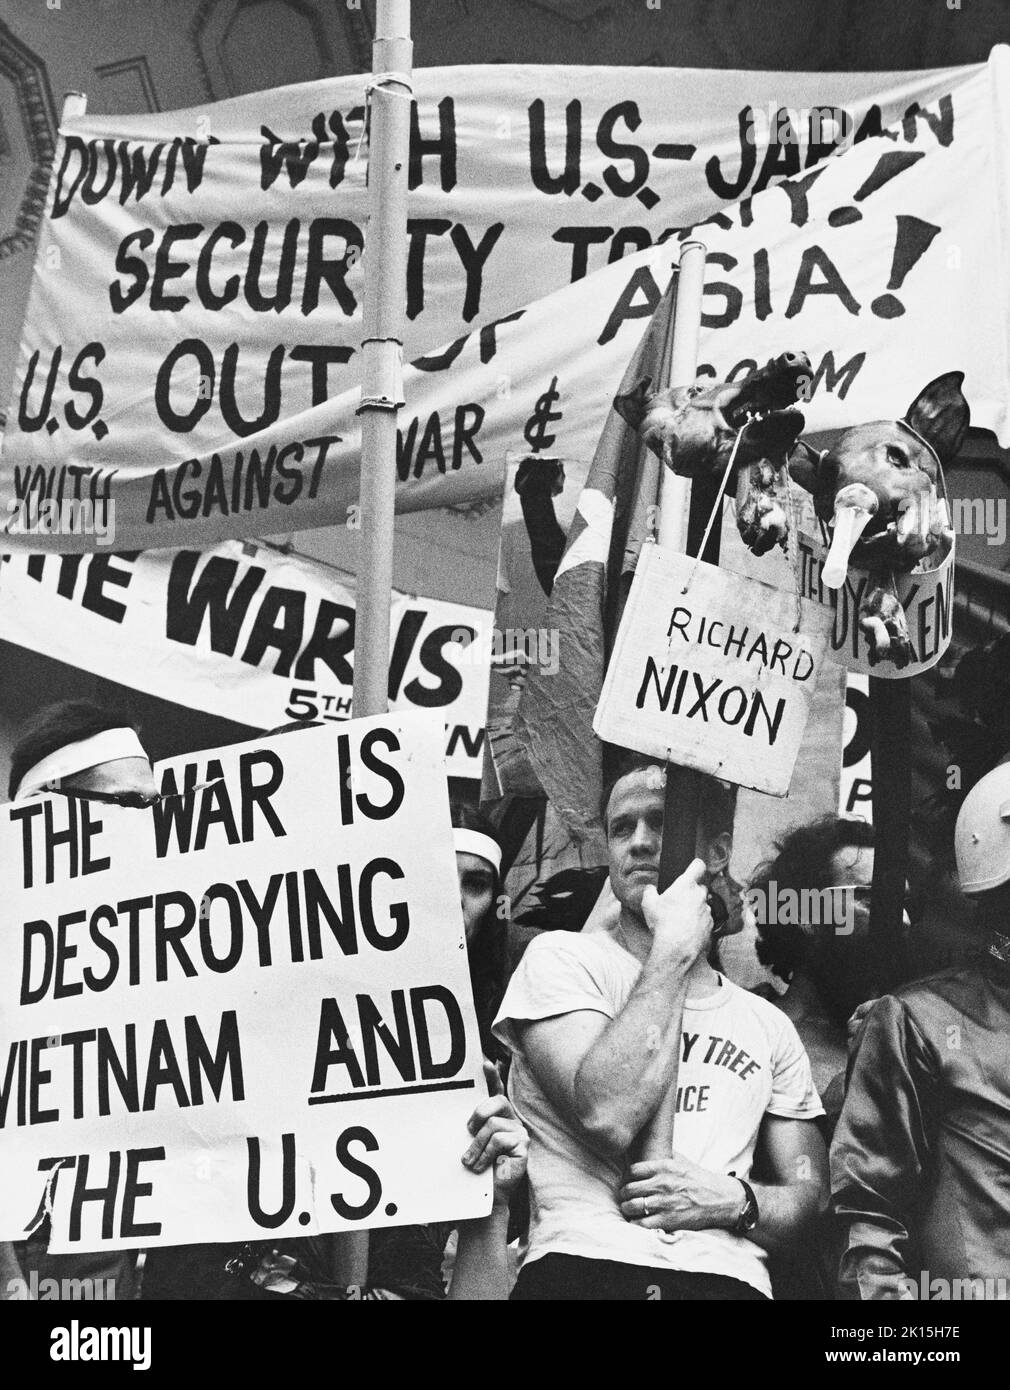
column 137, row 800
column 863, row 893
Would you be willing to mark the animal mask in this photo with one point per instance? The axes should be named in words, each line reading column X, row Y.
column 879, row 488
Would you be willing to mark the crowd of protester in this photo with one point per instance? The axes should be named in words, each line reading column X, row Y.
column 826, row 1143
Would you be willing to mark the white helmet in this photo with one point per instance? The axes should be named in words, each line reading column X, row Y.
column 982, row 833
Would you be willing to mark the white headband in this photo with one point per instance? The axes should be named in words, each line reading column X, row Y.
column 474, row 842
column 105, row 747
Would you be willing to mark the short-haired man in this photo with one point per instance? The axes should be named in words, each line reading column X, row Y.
column 602, row 1026
column 920, row 1161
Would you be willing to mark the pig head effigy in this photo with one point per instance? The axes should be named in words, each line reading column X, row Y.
column 693, row 429
column 878, row 490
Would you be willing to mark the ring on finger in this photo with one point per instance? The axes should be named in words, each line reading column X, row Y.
column 645, row 1206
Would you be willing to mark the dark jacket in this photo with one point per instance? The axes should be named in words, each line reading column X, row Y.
column 920, row 1163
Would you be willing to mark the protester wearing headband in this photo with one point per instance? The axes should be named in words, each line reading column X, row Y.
column 478, row 844
column 80, row 747
column 478, row 865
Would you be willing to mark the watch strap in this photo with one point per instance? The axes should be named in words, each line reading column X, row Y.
column 749, row 1214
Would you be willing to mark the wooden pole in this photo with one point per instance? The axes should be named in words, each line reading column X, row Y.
column 683, row 784
column 385, row 266
column 891, row 769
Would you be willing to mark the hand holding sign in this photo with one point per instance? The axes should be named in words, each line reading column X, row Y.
column 499, row 1137
column 680, row 918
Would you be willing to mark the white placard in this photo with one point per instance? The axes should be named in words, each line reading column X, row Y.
column 246, row 1013
column 708, row 673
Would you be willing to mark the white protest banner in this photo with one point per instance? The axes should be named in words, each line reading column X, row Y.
column 927, row 598
column 247, row 633
column 246, row 1012
column 522, row 179
column 163, row 367
column 708, row 672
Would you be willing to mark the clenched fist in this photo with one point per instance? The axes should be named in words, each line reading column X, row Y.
column 680, row 918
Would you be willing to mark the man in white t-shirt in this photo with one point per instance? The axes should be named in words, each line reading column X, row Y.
column 602, row 1026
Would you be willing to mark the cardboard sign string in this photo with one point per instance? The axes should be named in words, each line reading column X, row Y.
column 716, row 505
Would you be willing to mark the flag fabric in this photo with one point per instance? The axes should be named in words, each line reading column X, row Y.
column 615, row 514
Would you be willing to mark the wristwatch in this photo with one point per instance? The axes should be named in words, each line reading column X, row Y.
column 750, row 1214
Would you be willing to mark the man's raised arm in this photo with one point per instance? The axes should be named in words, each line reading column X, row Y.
column 609, row 1076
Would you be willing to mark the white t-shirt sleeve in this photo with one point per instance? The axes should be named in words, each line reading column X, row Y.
column 794, row 1095
column 557, row 975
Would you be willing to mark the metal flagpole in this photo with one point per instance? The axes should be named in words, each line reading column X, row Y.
column 675, row 491
column 385, row 266
column 74, row 104
column 683, row 784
